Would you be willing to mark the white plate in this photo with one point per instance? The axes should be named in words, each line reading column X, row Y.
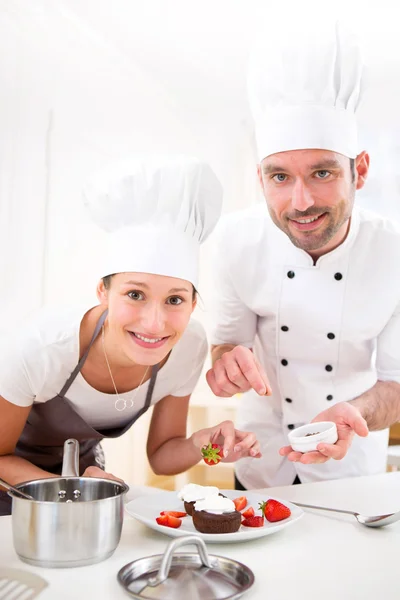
column 146, row 508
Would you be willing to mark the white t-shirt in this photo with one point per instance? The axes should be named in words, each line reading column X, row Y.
column 35, row 364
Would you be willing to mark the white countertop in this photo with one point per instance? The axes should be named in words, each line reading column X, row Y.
column 324, row 556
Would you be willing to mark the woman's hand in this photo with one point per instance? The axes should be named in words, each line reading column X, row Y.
column 235, row 444
column 96, row 472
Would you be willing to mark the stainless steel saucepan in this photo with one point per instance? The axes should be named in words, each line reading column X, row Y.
column 71, row 521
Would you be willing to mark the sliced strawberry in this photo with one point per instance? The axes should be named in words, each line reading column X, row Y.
column 162, row 520
column 173, row 522
column 253, row 522
column 249, row 512
column 169, row 521
column 274, row 510
column 174, row 513
column 240, row 503
column 212, row 454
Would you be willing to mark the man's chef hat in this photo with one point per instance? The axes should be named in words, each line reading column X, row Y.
column 157, row 210
column 304, row 85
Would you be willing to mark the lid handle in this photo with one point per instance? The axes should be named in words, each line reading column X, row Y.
column 166, row 562
column 70, row 465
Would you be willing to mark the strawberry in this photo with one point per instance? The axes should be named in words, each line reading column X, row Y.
column 248, row 513
column 169, row 521
column 253, row 522
column 212, row 454
column 173, row 522
column 240, row 503
column 274, row 510
column 174, row 513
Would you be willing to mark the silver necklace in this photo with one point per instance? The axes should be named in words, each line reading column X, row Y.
column 120, row 403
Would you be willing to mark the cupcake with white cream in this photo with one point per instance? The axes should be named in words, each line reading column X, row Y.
column 216, row 514
column 192, row 492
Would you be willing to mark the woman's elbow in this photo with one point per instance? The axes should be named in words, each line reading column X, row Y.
column 161, row 469
column 155, row 464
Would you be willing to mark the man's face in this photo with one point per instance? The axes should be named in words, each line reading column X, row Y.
column 310, row 195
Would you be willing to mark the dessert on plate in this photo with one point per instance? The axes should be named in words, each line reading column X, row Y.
column 192, row 492
column 216, row 514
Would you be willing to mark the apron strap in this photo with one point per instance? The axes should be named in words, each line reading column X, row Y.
column 152, row 382
column 80, row 364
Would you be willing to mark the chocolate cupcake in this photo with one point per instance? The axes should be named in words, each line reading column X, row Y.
column 189, row 507
column 216, row 515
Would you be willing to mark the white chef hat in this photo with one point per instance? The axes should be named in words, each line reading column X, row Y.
column 157, row 211
column 304, row 86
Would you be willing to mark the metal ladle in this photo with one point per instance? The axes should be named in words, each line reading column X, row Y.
column 15, row 490
column 375, row 521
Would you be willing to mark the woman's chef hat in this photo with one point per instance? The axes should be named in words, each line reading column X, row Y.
column 304, row 85
column 157, row 210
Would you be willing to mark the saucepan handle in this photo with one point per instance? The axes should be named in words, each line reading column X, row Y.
column 166, row 562
column 70, row 466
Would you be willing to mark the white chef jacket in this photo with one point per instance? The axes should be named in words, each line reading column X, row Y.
column 324, row 333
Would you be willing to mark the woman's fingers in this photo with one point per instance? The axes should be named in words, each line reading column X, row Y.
column 96, row 472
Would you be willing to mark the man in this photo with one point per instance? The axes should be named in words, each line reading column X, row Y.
column 307, row 314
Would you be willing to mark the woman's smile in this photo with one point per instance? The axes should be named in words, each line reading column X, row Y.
column 148, row 341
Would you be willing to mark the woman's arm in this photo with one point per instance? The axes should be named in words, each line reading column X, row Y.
column 169, row 450
column 13, row 468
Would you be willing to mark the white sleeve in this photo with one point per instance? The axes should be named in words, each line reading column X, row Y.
column 388, row 350
column 192, row 356
column 232, row 321
column 17, row 381
column 199, row 358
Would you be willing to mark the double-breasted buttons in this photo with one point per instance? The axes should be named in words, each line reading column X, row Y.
column 330, row 336
column 290, row 426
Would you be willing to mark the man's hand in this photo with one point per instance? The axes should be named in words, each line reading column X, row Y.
column 348, row 421
column 234, row 443
column 237, row 371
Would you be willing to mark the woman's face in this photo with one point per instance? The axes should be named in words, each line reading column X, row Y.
column 147, row 315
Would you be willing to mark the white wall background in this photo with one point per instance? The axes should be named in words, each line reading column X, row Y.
column 85, row 81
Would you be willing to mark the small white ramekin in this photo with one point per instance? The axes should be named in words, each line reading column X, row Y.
column 325, row 431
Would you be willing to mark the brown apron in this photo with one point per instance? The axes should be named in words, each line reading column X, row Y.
column 50, row 423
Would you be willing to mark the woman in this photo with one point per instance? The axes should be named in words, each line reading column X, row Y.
column 90, row 374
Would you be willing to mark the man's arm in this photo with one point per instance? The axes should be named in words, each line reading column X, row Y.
column 234, row 367
column 380, row 406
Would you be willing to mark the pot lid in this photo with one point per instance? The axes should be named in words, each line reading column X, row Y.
column 197, row 575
